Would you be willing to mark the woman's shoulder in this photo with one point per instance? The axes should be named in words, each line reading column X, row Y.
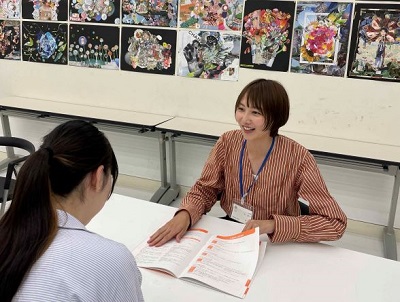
column 111, row 258
column 230, row 140
column 93, row 247
column 291, row 145
column 232, row 136
column 110, row 248
column 84, row 255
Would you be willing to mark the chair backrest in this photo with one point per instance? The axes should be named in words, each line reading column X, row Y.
column 10, row 141
column 5, row 182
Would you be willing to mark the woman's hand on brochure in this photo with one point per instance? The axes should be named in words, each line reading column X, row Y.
column 176, row 227
column 266, row 226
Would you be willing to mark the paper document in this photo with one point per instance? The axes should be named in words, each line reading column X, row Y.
column 225, row 263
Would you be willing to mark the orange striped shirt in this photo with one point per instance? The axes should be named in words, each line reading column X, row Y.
column 290, row 173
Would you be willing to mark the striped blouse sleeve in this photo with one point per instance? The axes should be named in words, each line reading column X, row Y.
column 326, row 221
column 203, row 194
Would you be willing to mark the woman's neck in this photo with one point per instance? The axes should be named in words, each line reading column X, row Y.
column 256, row 152
column 258, row 148
column 73, row 205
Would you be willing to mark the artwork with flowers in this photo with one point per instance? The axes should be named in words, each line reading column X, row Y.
column 94, row 46
column 10, row 46
column 97, row 11
column 211, row 14
column 321, row 38
column 44, row 42
column 45, row 10
column 150, row 13
column 9, row 9
column 375, row 49
column 148, row 50
column 209, row 55
column 266, row 36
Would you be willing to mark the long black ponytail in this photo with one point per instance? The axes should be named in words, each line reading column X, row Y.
column 67, row 155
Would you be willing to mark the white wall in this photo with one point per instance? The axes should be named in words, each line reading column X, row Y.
column 335, row 107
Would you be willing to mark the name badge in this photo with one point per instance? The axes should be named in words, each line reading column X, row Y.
column 241, row 212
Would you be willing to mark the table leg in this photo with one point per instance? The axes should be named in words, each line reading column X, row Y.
column 389, row 236
column 5, row 123
column 158, row 195
column 174, row 189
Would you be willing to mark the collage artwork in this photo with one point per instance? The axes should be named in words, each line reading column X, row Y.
column 208, row 39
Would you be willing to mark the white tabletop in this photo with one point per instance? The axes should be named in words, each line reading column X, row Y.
column 100, row 113
column 390, row 153
column 291, row 272
column 200, row 127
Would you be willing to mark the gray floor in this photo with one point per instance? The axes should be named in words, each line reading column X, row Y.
column 359, row 236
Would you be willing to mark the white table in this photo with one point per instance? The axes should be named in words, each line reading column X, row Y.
column 290, row 272
column 122, row 121
column 111, row 115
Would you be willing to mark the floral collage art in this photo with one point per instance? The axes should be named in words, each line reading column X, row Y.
column 207, row 39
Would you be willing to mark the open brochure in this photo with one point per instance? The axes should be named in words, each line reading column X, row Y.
column 225, row 263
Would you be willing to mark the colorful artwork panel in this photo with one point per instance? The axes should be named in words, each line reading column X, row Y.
column 9, row 9
column 45, row 10
column 321, row 38
column 97, row 11
column 94, row 46
column 375, row 49
column 44, row 42
column 10, row 35
column 209, row 55
column 267, row 29
column 211, row 14
column 150, row 13
column 148, row 50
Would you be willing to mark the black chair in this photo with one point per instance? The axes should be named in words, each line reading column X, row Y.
column 7, row 183
column 304, row 209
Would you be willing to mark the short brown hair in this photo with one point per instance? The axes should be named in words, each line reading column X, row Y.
column 271, row 98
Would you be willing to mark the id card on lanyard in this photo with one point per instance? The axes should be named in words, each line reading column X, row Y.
column 241, row 210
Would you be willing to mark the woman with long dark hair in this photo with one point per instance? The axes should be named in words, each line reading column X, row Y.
column 46, row 253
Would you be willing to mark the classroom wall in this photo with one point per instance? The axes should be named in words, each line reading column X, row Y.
column 353, row 109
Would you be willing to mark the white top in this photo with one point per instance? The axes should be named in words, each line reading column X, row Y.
column 300, row 272
column 82, row 266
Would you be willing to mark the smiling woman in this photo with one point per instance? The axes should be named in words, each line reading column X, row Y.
column 284, row 172
column 46, row 253
column 268, row 101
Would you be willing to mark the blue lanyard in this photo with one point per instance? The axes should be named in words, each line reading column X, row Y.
column 259, row 170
